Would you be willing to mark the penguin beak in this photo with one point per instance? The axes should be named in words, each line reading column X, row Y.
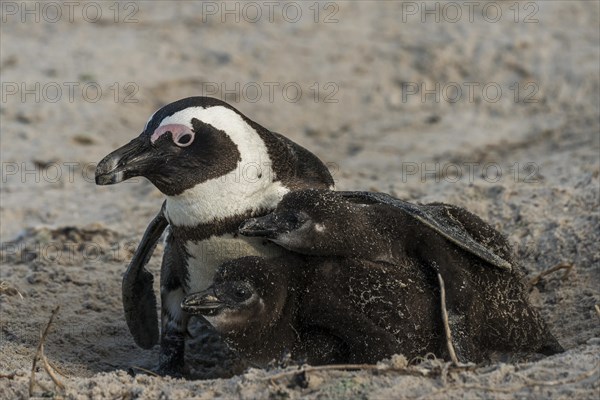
column 274, row 224
column 203, row 303
column 266, row 226
column 133, row 159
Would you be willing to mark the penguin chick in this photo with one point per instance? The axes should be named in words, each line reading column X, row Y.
column 487, row 303
column 251, row 304
column 325, row 310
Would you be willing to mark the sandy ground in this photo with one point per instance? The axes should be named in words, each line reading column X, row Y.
column 524, row 157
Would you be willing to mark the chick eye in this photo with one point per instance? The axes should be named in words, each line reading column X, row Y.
column 292, row 218
column 241, row 294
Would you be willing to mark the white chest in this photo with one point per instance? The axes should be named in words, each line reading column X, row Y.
column 206, row 256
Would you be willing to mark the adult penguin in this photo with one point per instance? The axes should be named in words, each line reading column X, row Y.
column 217, row 168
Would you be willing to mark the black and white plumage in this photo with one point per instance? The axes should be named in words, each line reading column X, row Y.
column 217, row 168
column 488, row 306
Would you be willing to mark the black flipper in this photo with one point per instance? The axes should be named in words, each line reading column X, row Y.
column 310, row 172
column 139, row 300
column 439, row 218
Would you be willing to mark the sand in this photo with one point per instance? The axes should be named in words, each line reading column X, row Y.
column 527, row 162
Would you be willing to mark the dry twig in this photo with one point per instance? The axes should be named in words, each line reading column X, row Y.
column 57, row 370
column 50, row 370
column 363, row 367
column 535, row 280
column 597, row 307
column 449, row 344
column 32, row 381
column 6, row 287
column 145, row 370
column 411, row 370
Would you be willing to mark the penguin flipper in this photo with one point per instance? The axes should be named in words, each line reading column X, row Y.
column 447, row 221
column 310, row 172
column 139, row 300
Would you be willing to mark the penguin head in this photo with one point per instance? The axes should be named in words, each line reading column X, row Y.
column 183, row 144
column 247, row 294
column 315, row 222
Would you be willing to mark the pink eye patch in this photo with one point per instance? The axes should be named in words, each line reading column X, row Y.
column 181, row 134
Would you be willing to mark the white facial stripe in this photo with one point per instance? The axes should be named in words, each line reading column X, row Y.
column 250, row 145
column 249, row 187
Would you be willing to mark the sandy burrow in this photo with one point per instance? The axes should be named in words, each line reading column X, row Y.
column 66, row 242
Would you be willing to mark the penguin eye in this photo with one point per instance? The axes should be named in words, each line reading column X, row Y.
column 184, row 140
column 293, row 218
column 241, row 293
column 180, row 134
